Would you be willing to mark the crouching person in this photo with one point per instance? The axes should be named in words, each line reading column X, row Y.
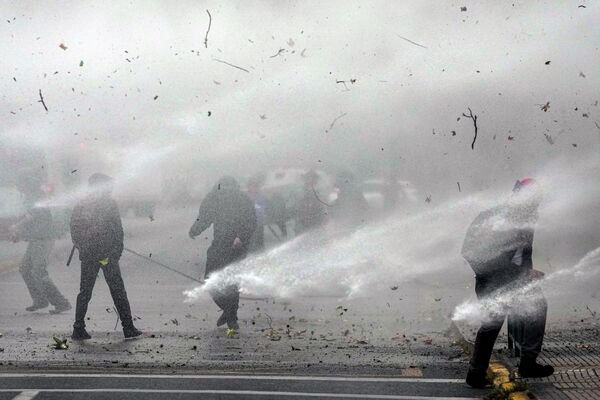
column 499, row 246
column 97, row 234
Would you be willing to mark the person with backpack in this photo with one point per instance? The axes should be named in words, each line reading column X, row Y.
column 499, row 246
column 233, row 216
column 97, row 234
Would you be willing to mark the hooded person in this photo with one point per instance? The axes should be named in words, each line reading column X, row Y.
column 498, row 246
column 232, row 215
column 97, row 233
column 36, row 229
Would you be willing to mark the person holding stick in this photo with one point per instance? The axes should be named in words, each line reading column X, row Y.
column 97, row 234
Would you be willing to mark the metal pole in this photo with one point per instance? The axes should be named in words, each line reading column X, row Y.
column 162, row 265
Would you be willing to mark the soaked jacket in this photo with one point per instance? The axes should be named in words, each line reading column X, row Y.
column 232, row 214
column 499, row 244
column 96, row 229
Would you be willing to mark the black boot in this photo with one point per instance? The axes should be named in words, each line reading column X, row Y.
column 529, row 368
column 132, row 332
column 80, row 334
column 233, row 324
column 477, row 379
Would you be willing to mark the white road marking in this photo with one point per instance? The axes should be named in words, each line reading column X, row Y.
column 250, row 393
column 26, row 395
column 246, row 377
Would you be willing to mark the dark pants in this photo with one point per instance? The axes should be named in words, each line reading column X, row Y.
column 35, row 274
column 227, row 298
column 530, row 306
column 112, row 274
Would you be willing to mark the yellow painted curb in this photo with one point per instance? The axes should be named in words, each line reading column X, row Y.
column 500, row 377
column 518, row 396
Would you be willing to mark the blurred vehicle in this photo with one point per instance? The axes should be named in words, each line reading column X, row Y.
column 376, row 190
column 382, row 195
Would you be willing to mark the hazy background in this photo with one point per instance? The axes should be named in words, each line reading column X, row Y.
column 137, row 94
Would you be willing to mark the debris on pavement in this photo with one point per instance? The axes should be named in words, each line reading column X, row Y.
column 231, row 332
column 60, row 344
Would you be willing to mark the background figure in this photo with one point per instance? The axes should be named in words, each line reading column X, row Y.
column 350, row 208
column 36, row 228
column 310, row 211
column 97, row 233
column 261, row 207
column 277, row 214
column 499, row 246
column 231, row 212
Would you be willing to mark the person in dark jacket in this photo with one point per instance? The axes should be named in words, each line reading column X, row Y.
column 97, row 234
column 36, row 229
column 231, row 212
column 499, row 247
column 311, row 212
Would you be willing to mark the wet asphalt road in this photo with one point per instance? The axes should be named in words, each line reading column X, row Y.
column 114, row 387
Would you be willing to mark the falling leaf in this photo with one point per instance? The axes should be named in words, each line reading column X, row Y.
column 62, row 46
column 291, row 42
column 263, row 116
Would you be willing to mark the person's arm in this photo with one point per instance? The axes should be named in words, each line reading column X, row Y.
column 206, row 217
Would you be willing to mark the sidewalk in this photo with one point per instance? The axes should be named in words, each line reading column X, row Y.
column 573, row 348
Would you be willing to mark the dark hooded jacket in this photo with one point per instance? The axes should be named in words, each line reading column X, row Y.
column 231, row 212
column 96, row 228
column 499, row 243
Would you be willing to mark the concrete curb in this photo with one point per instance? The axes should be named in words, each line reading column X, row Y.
column 498, row 373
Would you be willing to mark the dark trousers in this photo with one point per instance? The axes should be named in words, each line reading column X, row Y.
column 530, row 306
column 112, row 275
column 218, row 257
column 228, row 300
column 35, row 274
